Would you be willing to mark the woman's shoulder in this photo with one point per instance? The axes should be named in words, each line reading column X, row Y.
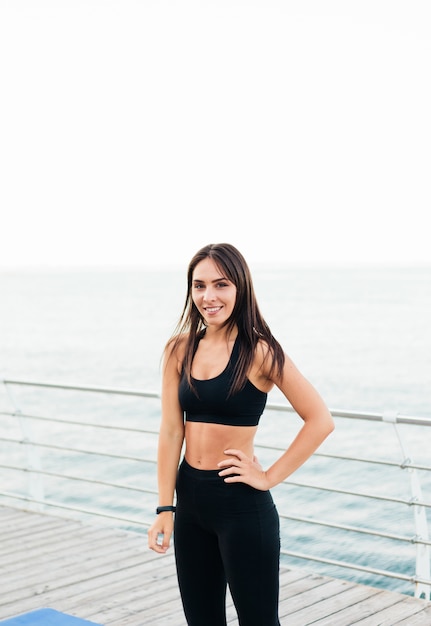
column 267, row 355
column 177, row 346
column 173, row 355
column 262, row 351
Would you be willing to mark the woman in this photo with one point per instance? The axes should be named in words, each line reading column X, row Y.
column 218, row 369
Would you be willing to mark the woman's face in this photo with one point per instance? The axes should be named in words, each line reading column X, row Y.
column 212, row 293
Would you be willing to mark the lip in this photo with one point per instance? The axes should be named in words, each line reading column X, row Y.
column 212, row 310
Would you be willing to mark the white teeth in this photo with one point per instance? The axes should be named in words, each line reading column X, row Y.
column 213, row 309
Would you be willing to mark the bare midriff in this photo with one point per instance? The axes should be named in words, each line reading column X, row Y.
column 206, row 443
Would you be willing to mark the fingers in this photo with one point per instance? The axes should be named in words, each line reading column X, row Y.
column 159, row 541
column 159, row 546
column 240, row 468
column 238, row 456
column 233, row 452
column 235, row 458
column 237, row 463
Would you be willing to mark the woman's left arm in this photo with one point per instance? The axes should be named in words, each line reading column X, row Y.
column 318, row 424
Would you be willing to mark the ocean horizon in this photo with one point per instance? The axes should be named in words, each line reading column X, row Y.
column 361, row 334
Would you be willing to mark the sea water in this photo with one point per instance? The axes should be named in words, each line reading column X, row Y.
column 361, row 335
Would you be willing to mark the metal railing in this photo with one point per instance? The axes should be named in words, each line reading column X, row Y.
column 42, row 457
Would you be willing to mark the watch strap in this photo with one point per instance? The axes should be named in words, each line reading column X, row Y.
column 161, row 509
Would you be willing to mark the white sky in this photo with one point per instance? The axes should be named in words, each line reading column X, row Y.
column 133, row 132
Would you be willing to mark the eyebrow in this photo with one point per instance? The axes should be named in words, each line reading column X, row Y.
column 217, row 280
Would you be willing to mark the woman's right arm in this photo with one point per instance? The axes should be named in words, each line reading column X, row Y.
column 171, row 437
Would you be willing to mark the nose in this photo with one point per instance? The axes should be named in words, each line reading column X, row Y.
column 209, row 294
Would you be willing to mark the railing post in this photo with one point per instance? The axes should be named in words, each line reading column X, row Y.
column 422, row 590
column 422, row 551
column 35, row 487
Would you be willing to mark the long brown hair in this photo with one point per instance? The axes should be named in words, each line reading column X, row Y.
column 245, row 315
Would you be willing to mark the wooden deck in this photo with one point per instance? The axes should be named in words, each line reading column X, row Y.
column 109, row 576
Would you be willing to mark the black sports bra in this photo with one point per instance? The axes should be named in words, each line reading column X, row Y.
column 211, row 404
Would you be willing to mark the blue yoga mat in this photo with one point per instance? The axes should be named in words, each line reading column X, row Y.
column 46, row 617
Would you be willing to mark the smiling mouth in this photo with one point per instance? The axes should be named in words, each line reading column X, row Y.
column 213, row 309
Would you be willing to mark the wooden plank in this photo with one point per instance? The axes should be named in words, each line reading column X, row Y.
column 369, row 606
column 404, row 610
column 304, row 601
column 64, row 568
column 108, row 575
column 422, row 618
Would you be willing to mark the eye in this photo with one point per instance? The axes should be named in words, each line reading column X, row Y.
column 222, row 284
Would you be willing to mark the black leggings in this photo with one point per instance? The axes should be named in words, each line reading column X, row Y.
column 226, row 534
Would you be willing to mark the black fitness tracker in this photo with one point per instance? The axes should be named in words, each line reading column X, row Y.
column 160, row 509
